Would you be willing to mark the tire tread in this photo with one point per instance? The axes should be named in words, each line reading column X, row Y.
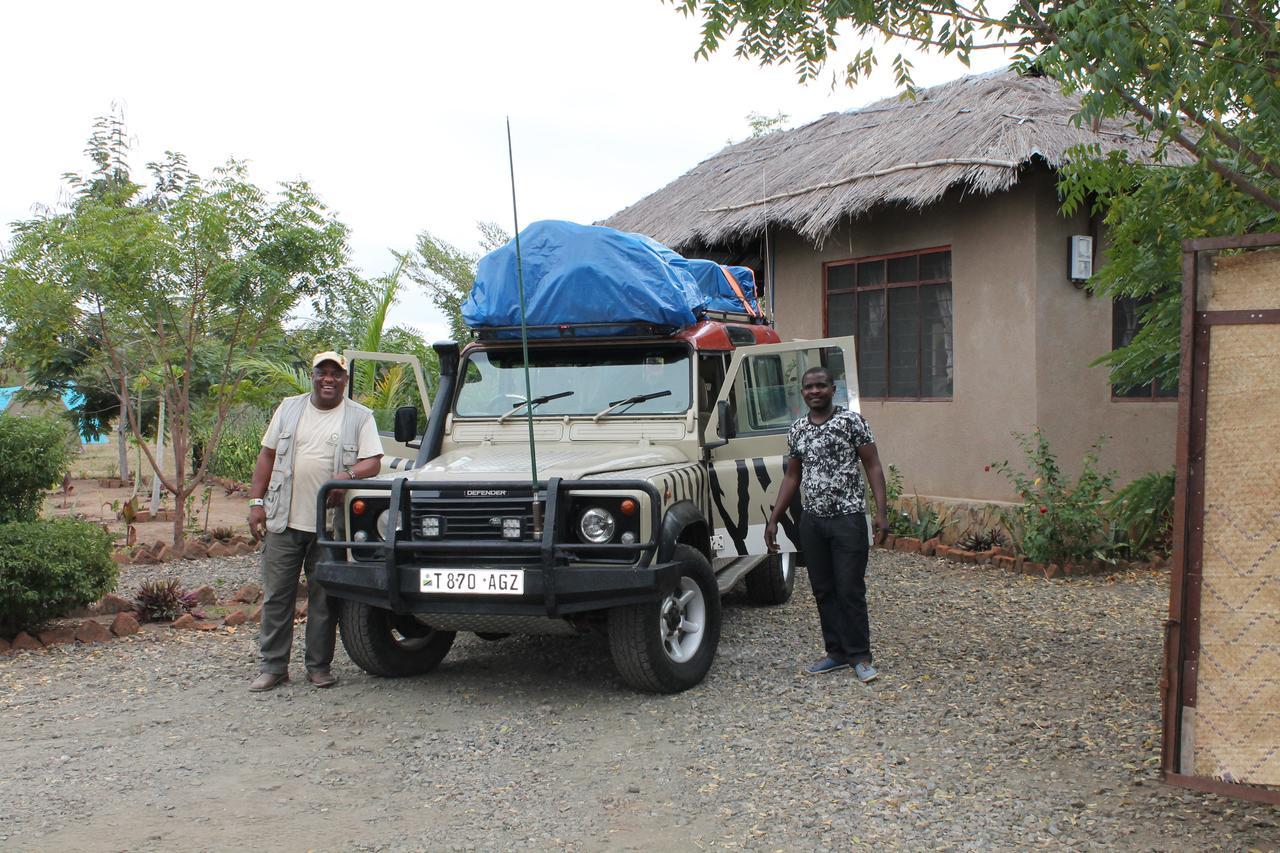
column 766, row 584
column 639, row 656
column 366, row 635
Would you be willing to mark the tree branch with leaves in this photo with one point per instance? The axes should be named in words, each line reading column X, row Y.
column 176, row 282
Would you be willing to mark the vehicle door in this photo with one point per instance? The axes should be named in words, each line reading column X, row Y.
column 386, row 381
column 762, row 399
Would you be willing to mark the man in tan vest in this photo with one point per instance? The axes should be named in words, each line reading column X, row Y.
column 312, row 438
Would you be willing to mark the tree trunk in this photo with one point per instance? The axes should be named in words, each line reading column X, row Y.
column 180, row 517
column 177, row 438
column 122, row 432
column 159, row 457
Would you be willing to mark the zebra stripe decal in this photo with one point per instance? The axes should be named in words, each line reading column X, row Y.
column 685, row 484
column 399, row 462
column 747, row 480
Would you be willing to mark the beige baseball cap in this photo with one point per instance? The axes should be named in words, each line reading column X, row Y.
column 329, row 355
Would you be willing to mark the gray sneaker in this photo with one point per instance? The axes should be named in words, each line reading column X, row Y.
column 865, row 672
column 827, row 664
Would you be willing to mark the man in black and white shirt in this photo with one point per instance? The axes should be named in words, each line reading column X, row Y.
column 824, row 449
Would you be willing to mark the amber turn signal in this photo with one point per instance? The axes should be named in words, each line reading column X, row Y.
column 357, row 507
column 629, row 507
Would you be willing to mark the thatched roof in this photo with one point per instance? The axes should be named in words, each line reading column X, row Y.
column 975, row 133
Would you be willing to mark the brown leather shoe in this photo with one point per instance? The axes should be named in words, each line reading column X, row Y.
column 322, row 678
column 268, row 681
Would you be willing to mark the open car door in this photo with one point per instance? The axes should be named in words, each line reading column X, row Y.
column 385, row 381
column 761, row 396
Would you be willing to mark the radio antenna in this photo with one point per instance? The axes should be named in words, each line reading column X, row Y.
column 524, row 342
column 770, row 287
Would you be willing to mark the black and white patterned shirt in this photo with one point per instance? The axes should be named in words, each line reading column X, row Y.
column 831, row 477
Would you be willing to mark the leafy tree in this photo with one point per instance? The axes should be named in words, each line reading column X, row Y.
column 761, row 124
column 1199, row 75
column 447, row 272
column 358, row 324
column 1147, row 213
column 174, row 282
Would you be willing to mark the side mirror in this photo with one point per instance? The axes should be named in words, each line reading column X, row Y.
column 406, row 424
column 728, row 429
column 724, row 428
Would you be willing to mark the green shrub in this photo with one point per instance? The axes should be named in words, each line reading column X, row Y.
column 900, row 523
column 35, row 453
column 49, row 568
column 1143, row 514
column 926, row 522
column 1057, row 522
column 239, row 445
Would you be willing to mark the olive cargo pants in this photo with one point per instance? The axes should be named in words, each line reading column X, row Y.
column 284, row 557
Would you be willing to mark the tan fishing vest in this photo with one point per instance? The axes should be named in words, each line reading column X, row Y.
column 280, row 489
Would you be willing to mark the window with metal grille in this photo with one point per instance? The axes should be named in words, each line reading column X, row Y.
column 899, row 309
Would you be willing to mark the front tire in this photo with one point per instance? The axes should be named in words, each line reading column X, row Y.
column 772, row 581
column 390, row 645
column 668, row 645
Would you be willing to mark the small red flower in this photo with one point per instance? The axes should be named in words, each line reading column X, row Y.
column 986, row 467
column 1044, row 509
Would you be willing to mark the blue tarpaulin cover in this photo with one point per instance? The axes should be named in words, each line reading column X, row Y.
column 70, row 398
column 719, row 292
column 575, row 274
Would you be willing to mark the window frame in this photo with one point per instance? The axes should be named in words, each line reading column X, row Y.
column 916, row 284
column 1153, row 396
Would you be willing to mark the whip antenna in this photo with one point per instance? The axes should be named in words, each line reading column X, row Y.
column 524, row 342
column 770, row 287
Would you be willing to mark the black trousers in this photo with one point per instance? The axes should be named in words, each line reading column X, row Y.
column 835, row 550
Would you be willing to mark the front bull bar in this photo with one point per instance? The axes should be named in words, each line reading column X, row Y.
column 546, row 552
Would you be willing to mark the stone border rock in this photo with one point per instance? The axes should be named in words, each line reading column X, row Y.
column 162, row 552
column 88, row 625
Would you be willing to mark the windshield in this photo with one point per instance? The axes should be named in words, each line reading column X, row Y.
column 493, row 381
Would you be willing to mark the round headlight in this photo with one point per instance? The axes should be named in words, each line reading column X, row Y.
column 383, row 518
column 596, row 526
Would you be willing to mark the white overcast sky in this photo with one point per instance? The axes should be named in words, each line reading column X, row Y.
column 395, row 112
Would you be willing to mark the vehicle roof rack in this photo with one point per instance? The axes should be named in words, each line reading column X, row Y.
column 575, row 330
column 734, row 317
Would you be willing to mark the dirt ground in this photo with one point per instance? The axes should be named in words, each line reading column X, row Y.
column 1012, row 713
column 92, row 498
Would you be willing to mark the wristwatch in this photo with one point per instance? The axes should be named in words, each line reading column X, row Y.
column 257, row 502
column 350, row 472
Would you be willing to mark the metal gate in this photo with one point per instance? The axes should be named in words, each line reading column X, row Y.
column 1222, row 644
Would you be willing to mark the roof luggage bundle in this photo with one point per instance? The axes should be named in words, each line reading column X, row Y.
column 589, row 280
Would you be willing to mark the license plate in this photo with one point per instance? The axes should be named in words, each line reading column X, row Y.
column 473, row 581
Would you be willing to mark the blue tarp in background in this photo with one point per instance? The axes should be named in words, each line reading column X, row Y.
column 576, row 274
column 71, row 399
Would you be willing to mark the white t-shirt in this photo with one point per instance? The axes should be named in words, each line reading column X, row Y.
column 314, row 444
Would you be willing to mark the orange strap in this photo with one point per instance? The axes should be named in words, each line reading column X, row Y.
column 737, row 288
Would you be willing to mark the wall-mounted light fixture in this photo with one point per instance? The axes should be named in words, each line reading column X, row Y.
column 1081, row 258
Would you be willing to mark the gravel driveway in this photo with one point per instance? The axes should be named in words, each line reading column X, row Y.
column 1011, row 713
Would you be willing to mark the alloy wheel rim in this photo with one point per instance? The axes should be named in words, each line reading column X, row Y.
column 681, row 620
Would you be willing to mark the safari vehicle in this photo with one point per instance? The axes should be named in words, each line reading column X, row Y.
column 659, row 453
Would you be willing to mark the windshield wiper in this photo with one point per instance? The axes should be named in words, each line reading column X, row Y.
column 536, row 401
column 630, row 401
